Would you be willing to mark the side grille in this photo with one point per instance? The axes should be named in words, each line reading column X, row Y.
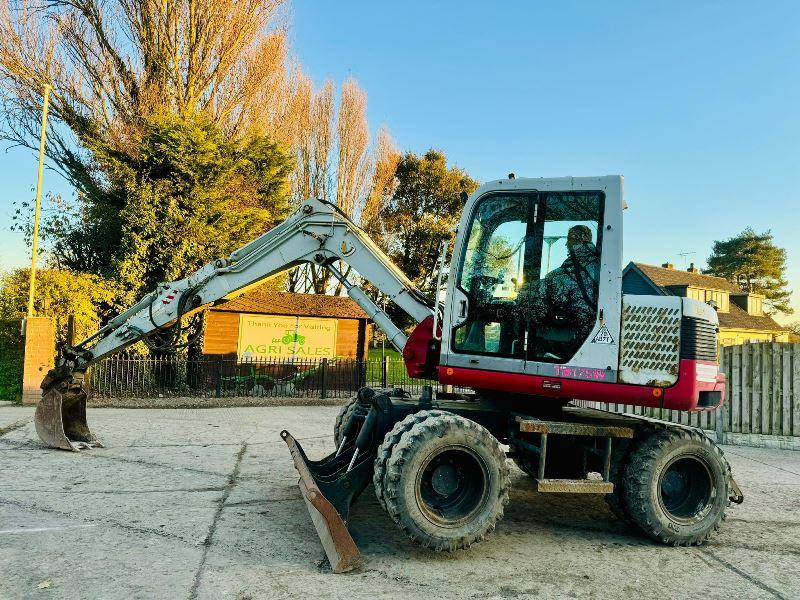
column 698, row 339
column 649, row 348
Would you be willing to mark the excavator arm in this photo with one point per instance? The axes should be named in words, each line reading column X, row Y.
column 316, row 233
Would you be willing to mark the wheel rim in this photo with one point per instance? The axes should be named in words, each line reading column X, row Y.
column 451, row 486
column 687, row 489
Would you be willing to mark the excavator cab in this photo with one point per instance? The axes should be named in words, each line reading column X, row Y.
column 536, row 280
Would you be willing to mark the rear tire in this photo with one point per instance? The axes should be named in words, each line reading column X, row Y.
column 620, row 454
column 677, row 486
column 388, row 444
column 446, row 482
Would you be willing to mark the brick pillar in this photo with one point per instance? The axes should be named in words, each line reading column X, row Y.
column 39, row 356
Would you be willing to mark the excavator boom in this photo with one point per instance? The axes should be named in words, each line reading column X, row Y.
column 317, row 233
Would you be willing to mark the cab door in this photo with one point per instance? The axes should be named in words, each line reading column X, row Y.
column 562, row 300
column 536, row 279
column 487, row 328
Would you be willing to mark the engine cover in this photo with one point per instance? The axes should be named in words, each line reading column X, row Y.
column 652, row 332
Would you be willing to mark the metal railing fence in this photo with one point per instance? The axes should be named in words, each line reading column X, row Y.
column 124, row 376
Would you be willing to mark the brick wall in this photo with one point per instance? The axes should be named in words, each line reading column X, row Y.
column 39, row 356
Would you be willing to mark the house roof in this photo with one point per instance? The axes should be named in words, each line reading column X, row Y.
column 269, row 302
column 676, row 277
column 739, row 318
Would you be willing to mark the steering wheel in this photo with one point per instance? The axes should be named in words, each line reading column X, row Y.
column 484, row 281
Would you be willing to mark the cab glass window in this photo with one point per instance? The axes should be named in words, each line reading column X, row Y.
column 531, row 273
column 492, row 272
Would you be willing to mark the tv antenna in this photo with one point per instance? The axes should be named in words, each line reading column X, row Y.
column 683, row 255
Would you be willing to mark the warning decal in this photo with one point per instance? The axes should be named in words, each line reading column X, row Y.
column 603, row 336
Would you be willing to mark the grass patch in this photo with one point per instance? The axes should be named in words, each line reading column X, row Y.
column 378, row 353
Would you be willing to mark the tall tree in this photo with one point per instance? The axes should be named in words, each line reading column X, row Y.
column 204, row 195
column 421, row 209
column 335, row 161
column 753, row 262
column 199, row 71
column 161, row 114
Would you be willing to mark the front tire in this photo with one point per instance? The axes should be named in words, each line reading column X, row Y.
column 677, row 486
column 389, row 442
column 342, row 417
column 446, row 482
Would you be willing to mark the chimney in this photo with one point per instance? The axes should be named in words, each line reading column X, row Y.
column 667, row 266
column 693, row 269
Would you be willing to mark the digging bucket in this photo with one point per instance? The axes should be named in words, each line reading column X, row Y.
column 61, row 413
column 328, row 488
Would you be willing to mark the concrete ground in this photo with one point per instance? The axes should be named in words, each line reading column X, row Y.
column 203, row 504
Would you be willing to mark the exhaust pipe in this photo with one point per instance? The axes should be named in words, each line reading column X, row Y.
column 61, row 413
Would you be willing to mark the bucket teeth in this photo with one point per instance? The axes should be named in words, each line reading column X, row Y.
column 61, row 414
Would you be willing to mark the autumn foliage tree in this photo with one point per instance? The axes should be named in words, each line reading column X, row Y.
column 60, row 295
column 420, row 210
column 165, row 117
column 336, row 161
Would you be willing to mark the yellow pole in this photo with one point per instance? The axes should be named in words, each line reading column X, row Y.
column 37, row 210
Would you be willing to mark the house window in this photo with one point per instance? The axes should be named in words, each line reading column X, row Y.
column 696, row 294
column 721, row 299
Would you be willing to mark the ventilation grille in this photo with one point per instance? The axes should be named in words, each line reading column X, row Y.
column 649, row 353
column 698, row 339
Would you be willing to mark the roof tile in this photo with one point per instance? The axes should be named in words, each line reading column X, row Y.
column 667, row 277
column 739, row 318
column 266, row 301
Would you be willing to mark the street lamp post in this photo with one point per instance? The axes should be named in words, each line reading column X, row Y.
column 38, row 207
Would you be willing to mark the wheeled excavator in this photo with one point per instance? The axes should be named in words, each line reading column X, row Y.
column 533, row 318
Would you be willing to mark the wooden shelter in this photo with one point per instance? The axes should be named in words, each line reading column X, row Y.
column 265, row 324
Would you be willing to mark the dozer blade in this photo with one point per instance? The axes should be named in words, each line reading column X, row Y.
column 328, row 488
column 61, row 413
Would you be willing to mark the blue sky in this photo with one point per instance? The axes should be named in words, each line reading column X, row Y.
column 697, row 104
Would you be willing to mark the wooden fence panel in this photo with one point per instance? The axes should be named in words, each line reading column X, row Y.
column 775, row 391
column 763, row 393
column 766, row 378
column 726, row 412
column 755, row 388
column 786, row 389
column 796, row 389
column 746, row 400
column 735, row 394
